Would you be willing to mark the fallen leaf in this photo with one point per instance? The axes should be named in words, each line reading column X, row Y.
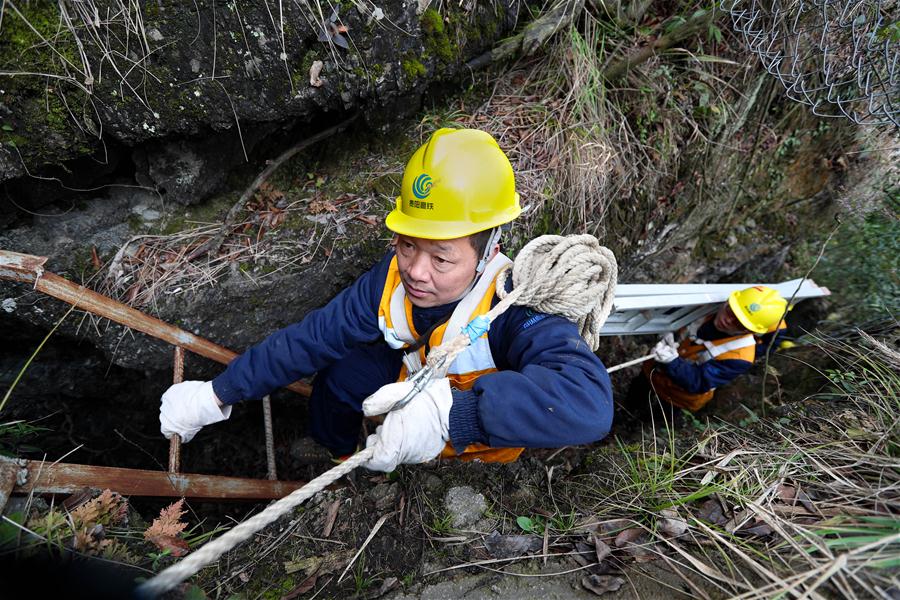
column 338, row 39
column 786, row 492
column 581, row 560
column 739, row 519
column 601, row 548
column 509, row 546
column 386, row 586
column 95, row 259
column 318, row 206
column 77, row 499
column 302, row 587
column 759, row 528
column 609, row 529
column 132, row 293
column 628, row 536
column 600, row 584
column 642, row 554
column 635, row 542
column 806, row 501
column 711, row 511
column 175, row 545
column 671, row 524
column 330, row 518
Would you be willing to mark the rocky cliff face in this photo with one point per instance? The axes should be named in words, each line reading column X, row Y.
column 185, row 90
column 114, row 116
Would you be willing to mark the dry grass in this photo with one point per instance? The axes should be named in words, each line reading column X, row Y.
column 572, row 149
column 148, row 267
column 90, row 41
column 588, row 158
column 804, row 508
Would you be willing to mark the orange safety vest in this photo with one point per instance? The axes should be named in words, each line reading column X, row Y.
column 396, row 324
column 696, row 350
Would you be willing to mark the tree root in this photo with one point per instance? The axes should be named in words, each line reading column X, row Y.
column 619, row 69
column 533, row 36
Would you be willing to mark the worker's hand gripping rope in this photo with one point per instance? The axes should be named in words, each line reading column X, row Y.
column 413, row 431
column 419, row 381
column 666, row 350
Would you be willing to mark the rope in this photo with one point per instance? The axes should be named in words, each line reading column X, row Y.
column 630, row 363
column 572, row 276
column 211, row 551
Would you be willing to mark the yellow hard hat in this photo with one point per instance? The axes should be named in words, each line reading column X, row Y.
column 458, row 183
column 758, row 308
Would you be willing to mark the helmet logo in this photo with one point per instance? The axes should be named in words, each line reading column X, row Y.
column 422, row 186
column 754, row 307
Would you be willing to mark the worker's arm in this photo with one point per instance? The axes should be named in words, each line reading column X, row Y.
column 698, row 378
column 299, row 350
column 550, row 391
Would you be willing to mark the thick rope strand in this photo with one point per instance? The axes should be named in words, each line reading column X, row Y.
column 211, row 551
column 572, row 276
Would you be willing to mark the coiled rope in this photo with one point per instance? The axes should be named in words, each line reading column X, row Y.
column 574, row 277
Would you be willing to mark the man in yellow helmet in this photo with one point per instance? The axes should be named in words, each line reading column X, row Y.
column 723, row 347
column 530, row 381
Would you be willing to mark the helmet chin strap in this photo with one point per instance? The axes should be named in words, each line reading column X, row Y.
column 486, row 253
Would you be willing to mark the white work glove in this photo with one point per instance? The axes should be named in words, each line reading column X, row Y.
column 415, row 433
column 187, row 407
column 666, row 350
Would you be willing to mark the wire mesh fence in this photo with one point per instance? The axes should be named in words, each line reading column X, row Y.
column 842, row 57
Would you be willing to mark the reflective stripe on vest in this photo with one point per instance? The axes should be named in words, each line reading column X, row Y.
column 697, row 351
column 714, row 350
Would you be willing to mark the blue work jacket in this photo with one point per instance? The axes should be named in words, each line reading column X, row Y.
column 550, row 389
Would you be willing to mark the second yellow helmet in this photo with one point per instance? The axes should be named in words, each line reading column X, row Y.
column 458, row 183
column 758, row 308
